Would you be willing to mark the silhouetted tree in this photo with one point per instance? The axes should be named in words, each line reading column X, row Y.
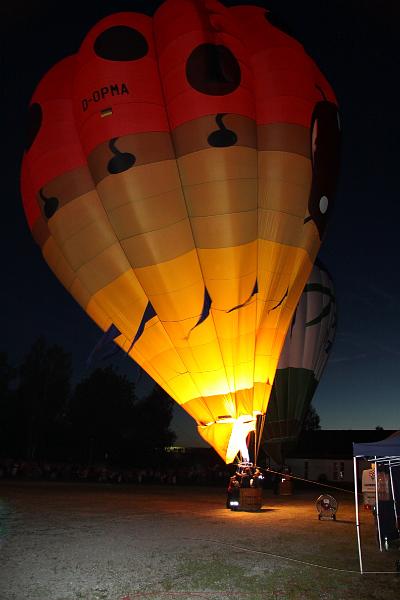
column 7, row 374
column 42, row 395
column 101, row 412
column 8, row 409
column 154, row 415
column 311, row 420
column 109, row 424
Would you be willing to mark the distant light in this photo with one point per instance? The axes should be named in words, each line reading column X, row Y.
column 233, row 503
column 175, row 449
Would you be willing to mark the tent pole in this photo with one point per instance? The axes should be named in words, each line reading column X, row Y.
column 357, row 519
column 393, row 496
column 378, row 524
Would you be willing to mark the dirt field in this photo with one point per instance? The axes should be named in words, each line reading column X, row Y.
column 98, row 542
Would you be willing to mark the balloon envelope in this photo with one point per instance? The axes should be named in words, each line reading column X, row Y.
column 178, row 177
column 304, row 356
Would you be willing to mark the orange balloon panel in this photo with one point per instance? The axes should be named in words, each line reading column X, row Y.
column 178, row 177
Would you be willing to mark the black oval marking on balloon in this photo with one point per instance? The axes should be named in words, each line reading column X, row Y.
column 51, row 204
column 212, row 69
column 121, row 43
column 34, row 123
column 122, row 161
column 222, row 137
column 325, row 157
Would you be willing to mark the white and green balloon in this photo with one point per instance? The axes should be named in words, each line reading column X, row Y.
column 301, row 364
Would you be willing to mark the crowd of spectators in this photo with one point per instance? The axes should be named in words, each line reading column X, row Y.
column 168, row 475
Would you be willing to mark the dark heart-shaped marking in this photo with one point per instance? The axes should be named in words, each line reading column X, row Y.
column 122, row 161
column 51, row 204
column 35, row 118
column 121, row 43
column 212, row 69
column 222, row 137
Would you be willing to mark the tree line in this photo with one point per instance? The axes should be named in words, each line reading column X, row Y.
column 101, row 418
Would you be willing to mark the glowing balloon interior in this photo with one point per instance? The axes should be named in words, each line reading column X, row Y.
column 179, row 174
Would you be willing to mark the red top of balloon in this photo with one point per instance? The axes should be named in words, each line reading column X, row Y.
column 152, row 76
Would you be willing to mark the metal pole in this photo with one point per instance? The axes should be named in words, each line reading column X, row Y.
column 393, row 496
column 357, row 519
column 377, row 506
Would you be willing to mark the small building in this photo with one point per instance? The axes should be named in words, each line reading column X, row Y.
column 326, row 455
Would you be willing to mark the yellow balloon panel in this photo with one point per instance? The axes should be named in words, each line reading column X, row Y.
column 124, row 301
column 221, row 197
column 180, row 273
column 79, row 214
column 140, row 184
column 103, row 268
column 261, row 393
column 183, row 387
column 203, row 358
column 54, row 257
column 229, row 263
column 233, row 164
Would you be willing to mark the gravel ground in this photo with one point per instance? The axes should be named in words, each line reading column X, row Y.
column 100, row 542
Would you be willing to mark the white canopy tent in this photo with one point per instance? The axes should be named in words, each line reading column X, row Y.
column 384, row 453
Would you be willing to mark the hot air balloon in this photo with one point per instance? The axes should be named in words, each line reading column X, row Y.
column 304, row 356
column 178, row 176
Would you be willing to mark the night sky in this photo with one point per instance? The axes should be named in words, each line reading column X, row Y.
column 355, row 44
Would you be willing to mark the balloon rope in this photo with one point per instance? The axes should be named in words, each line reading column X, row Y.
column 296, row 560
column 287, row 475
column 260, row 436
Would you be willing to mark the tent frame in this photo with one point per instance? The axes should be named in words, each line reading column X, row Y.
column 390, row 461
